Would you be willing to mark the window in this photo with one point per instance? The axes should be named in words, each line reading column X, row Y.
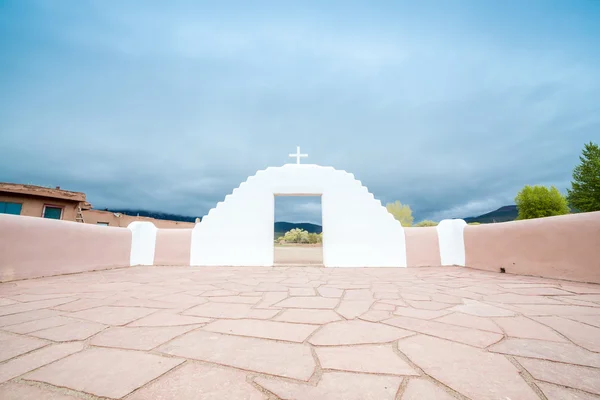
column 10, row 208
column 102, row 223
column 52, row 212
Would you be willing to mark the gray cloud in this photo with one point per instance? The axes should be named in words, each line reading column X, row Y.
column 171, row 108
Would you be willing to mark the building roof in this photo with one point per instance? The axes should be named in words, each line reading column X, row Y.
column 41, row 191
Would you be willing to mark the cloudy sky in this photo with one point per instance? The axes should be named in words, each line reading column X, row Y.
column 448, row 106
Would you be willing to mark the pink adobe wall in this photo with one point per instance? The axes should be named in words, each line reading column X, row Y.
column 422, row 247
column 173, row 247
column 32, row 247
column 563, row 247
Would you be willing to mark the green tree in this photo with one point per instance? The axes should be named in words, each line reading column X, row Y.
column 584, row 194
column 314, row 238
column 401, row 212
column 426, row 222
column 539, row 201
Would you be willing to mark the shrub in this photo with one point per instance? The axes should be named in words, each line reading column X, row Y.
column 296, row 235
column 314, row 238
column 401, row 212
column 539, row 201
column 474, row 223
column 426, row 222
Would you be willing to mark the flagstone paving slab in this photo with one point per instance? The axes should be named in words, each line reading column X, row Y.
column 104, row 372
column 469, row 371
column 299, row 332
column 13, row 345
column 574, row 376
column 581, row 334
column 356, row 332
column 72, row 331
column 376, row 359
column 554, row 392
column 336, row 386
column 420, row 389
column 113, row 315
column 28, row 362
column 308, row 316
column 20, row 391
column 290, row 360
column 138, row 338
column 200, row 382
column 561, row 352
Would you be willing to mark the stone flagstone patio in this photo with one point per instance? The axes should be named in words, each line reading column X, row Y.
column 299, row 333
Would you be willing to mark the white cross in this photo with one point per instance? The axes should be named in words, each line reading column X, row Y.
column 298, row 155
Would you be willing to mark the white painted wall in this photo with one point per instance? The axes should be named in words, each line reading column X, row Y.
column 357, row 229
column 452, row 241
column 143, row 242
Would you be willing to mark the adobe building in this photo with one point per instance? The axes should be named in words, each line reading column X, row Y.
column 56, row 203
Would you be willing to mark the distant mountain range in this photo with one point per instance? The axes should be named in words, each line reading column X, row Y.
column 155, row 214
column 282, row 227
column 503, row 214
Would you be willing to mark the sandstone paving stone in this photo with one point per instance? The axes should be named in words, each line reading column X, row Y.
column 472, row 372
column 308, row 302
column 414, row 296
column 351, row 309
column 455, row 333
column 479, row 309
column 138, row 338
column 229, row 310
column 199, row 382
column 336, row 386
column 556, row 310
column 308, row 316
column 169, row 318
column 35, row 359
column 302, row 292
column 422, row 314
column 104, row 372
column 38, row 324
column 356, row 332
column 428, row 305
column 219, row 292
column 358, row 294
column 78, row 330
column 394, row 302
column 554, row 392
column 376, row 359
column 581, row 289
column 7, row 302
column 590, row 320
column 270, row 298
column 525, row 328
column 113, row 315
column 375, row 315
column 181, row 299
column 20, row 391
column 325, row 291
column 513, row 298
column 13, row 345
column 379, row 306
column 470, row 321
column 235, row 299
column 421, row 389
column 83, row 304
column 33, row 305
column 291, row 332
column 540, row 291
column 584, row 335
column 291, row 360
column 574, row 376
column 386, row 295
column 561, row 352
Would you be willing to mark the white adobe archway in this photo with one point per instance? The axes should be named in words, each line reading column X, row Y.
column 357, row 230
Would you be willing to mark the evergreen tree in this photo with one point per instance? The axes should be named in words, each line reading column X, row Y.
column 584, row 194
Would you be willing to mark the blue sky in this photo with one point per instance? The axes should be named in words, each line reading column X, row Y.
column 448, row 106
